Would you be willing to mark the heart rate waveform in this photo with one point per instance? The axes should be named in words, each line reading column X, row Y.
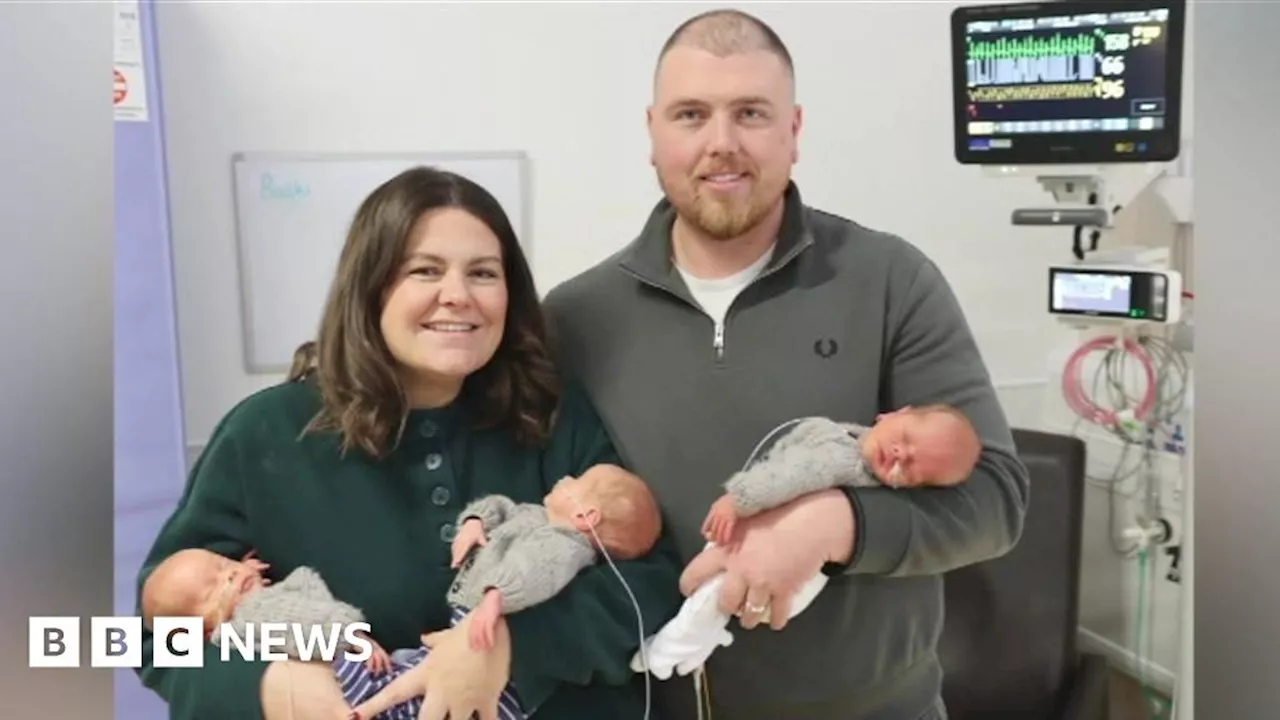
column 1055, row 45
column 1027, row 71
column 1018, row 93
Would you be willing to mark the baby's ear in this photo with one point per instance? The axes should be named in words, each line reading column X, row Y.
column 586, row 519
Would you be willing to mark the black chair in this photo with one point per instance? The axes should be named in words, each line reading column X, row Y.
column 1009, row 644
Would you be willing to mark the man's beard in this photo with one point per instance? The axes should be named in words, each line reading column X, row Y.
column 718, row 219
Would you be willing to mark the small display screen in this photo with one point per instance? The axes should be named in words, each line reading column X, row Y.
column 1104, row 294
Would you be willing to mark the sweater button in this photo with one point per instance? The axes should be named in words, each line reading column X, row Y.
column 428, row 429
column 448, row 532
column 434, row 460
column 440, row 496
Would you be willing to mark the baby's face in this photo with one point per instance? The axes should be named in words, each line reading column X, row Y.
column 211, row 585
column 910, row 449
column 570, row 496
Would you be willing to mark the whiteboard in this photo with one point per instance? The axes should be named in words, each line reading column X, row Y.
column 292, row 215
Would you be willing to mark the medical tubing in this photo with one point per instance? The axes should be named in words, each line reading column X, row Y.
column 1158, row 708
column 1079, row 400
column 1141, row 622
column 1134, row 416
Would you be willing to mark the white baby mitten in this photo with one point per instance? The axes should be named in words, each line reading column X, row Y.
column 684, row 643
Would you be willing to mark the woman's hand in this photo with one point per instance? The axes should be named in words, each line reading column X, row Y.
column 293, row 690
column 461, row 681
column 453, row 680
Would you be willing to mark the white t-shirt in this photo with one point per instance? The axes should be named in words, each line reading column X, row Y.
column 716, row 295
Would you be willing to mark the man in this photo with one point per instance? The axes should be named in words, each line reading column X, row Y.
column 738, row 308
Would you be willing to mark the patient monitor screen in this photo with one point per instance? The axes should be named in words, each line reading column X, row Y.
column 1034, row 79
column 1105, row 294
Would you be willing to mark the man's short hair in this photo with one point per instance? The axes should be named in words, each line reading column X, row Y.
column 728, row 32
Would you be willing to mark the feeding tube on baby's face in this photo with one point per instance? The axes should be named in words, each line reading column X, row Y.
column 895, row 475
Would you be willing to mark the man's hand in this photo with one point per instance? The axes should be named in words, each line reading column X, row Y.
column 721, row 521
column 469, row 535
column 778, row 550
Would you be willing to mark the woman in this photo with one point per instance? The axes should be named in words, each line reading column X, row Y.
column 430, row 385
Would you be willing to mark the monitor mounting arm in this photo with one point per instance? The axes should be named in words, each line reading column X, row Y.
column 1090, row 195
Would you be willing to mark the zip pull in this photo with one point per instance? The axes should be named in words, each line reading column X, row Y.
column 718, row 343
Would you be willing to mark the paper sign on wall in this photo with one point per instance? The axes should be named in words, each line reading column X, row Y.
column 128, row 76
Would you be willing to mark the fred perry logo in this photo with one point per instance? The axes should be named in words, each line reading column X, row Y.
column 825, row 347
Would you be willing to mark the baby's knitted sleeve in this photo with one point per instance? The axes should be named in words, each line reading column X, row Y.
column 492, row 510
column 817, row 454
column 313, row 618
column 538, row 565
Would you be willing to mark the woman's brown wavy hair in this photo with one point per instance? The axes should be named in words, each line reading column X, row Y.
column 362, row 394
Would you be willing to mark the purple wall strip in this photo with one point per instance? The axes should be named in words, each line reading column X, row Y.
column 150, row 462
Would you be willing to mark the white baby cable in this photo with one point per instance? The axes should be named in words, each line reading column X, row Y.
column 648, row 689
column 756, row 450
column 699, row 672
column 702, row 692
column 701, row 688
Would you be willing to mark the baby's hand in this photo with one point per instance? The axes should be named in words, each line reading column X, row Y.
column 379, row 662
column 471, row 535
column 721, row 520
column 484, row 621
column 252, row 561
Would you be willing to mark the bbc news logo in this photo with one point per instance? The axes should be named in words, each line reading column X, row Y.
column 116, row 642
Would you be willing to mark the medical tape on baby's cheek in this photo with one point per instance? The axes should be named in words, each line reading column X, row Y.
column 895, row 475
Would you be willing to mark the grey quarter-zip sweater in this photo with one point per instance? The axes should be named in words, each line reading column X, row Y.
column 844, row 322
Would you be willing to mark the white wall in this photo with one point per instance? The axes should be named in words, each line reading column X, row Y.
column 568, row 85
column 452, row 77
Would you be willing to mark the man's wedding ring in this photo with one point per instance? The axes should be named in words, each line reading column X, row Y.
column 755, row 609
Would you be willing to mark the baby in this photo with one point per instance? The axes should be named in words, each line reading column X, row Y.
column 202, row 583
column 515, row 555
column 910, row 447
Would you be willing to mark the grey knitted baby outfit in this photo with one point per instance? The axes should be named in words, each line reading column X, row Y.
column 302, row 598
column 527, row 558
column 817, row 454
